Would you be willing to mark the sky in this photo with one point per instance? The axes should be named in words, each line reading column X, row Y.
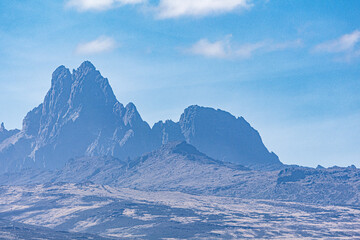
column 290, row 68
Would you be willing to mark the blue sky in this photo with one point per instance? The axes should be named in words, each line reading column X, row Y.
column 291, row 68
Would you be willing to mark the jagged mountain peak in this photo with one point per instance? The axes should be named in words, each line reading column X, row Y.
column 131, row 107
column 86, row 66
column 131, row 116
column 61, row 79
column 4, row 133
column 85, row 92
column 60, row 73
column 169, row 121
column 3, row 129
column 59, row 93
column 85, row 70
column 90, row 87
column 81, row 116
column 85, row 86
column 162, row 123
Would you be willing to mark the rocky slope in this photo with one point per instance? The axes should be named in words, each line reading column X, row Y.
column 54, row 210
column 334, row 185
column 178, row 166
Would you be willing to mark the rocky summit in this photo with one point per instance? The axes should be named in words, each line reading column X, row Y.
column 80, row 116
column 220, row 135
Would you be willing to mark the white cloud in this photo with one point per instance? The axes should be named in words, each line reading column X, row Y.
column 247, row 50
column 178, row 8
column 99, row 5
column 218, row 49
column 164, row 9
column 345, row 43
column 102, row 44
column 225, row 49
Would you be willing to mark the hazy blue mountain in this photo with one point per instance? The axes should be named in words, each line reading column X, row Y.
column 80, row 116
column 225, row 137
column 220, row 135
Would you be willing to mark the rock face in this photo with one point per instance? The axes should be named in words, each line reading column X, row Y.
column 224, row 137
column 4, row 133
column 80, row 116
column 165, row 132
column 220, row 135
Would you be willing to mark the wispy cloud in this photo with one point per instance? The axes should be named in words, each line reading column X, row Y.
column 247, row 50
column 164, row 9
column 102, row 44
column 179, row 8
column 226, row 49
column 99, row 5
column 345, row 43
column 345, row 48
column 218, row 49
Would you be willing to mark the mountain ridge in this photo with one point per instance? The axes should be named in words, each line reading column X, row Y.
column 80, row 116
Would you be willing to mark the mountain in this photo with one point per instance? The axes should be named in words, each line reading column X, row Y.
column 102, row 170
column 180, row 167
column 80, row 116
column 220, row 135
column 84, row 166
column 172, row 165
column 175, row 166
